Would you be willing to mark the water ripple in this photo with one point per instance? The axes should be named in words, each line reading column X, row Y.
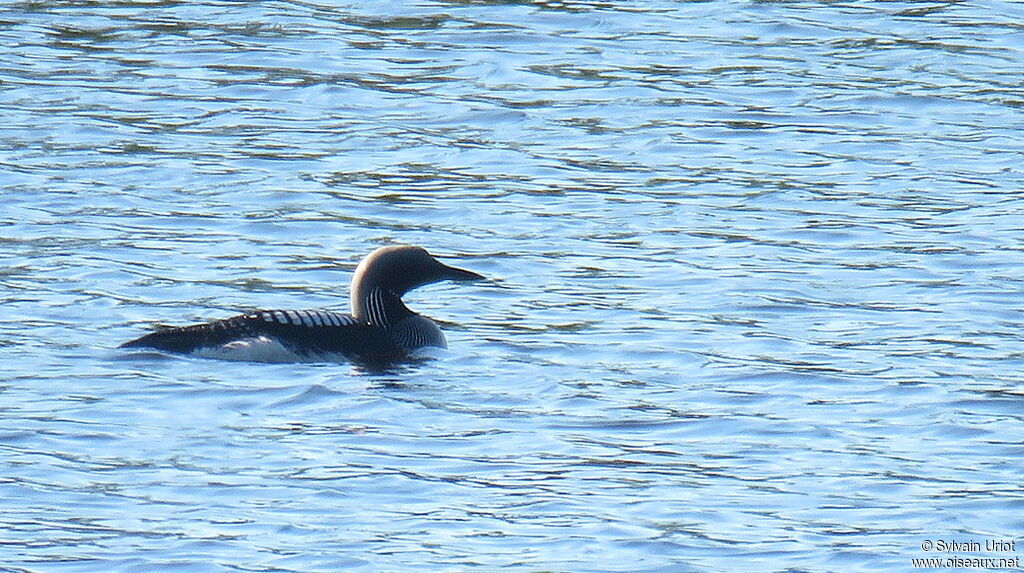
column 755, row 300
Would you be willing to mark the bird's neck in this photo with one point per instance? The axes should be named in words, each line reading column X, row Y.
column 379, row 306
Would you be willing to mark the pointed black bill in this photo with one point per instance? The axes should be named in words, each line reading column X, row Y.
column 454, row 274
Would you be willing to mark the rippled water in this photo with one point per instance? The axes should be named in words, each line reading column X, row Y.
column 756, row 300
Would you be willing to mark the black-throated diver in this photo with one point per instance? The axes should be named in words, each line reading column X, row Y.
column 380, row 327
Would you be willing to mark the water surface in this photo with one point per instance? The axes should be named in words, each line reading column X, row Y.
column 756, row 300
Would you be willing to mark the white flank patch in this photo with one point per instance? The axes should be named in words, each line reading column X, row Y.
column 264, row 349
column 259, row 349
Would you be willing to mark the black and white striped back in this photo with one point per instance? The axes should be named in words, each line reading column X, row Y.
column 308, row 318
column 278, row 335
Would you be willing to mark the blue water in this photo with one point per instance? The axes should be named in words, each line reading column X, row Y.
column 757, row 272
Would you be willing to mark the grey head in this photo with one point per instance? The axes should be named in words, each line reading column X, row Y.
column 395, row 271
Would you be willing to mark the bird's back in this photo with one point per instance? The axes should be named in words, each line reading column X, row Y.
column 265, row 335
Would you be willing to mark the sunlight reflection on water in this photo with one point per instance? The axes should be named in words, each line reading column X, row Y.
column 755, row 301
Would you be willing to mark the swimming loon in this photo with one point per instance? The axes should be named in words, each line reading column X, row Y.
column 380, row 327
